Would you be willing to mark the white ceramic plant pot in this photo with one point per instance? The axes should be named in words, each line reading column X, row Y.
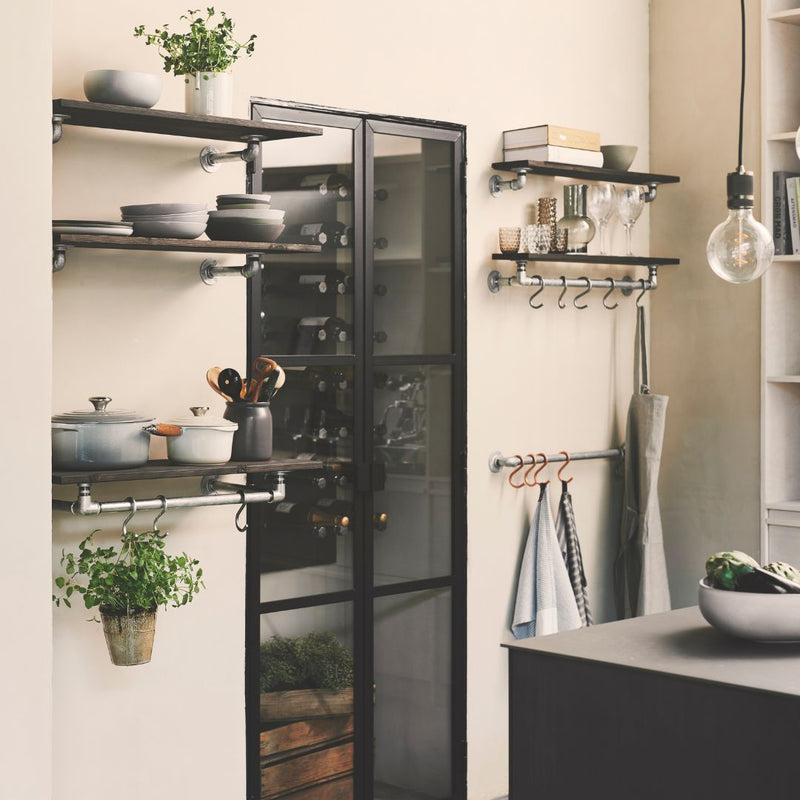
column 209, row 94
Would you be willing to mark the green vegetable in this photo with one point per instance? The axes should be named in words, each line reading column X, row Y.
column 725, row 569
column 784, row 570
column 315, row 661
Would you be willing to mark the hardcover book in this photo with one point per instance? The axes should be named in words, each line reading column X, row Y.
column 559, row 155
column 551, row 135
column 781, row 232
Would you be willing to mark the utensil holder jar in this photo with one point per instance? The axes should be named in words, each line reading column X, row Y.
column 253, row 439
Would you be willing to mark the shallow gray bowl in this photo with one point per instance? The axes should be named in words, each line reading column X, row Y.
column 618, row 156
column 757, row 616
column 121, row 87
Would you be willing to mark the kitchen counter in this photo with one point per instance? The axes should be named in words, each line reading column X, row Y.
column 662, row 706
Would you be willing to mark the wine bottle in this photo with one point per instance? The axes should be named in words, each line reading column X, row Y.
column 316, row 233
column 315, row 514
column 332, row 423
column 330, row 183
column 329, row 282
column 380, row 520
column 333, row 329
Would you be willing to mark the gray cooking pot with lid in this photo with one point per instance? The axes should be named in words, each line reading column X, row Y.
column 103, row 439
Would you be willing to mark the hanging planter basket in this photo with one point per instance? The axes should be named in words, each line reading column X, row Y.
column 129, row 636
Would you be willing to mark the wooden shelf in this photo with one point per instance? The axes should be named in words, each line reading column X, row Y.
column 183, row 245
column 156, row 470
column 174, row 123
column 585, row 258
column 583, row 173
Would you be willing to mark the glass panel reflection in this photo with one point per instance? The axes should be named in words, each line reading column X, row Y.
column 413, row 245
column 306, row 703
column 412, row 440
column 412, row 696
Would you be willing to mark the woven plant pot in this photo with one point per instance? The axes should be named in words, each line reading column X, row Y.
column 129, row 636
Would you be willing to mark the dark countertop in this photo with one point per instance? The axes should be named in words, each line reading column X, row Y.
column 679, row 643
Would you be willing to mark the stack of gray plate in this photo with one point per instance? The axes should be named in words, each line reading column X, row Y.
column 245, row 218
column 167, row 220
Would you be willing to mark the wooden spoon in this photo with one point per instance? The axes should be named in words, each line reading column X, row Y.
column 212, row 376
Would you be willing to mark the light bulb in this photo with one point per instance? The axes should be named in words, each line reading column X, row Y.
column 740, row 249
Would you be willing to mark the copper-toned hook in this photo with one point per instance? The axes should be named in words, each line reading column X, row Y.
column 563, row 467
column 536, row 474
column 527, row 472
column 515, row 471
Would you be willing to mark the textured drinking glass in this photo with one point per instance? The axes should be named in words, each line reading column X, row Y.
column 540, row 241
column 601, row 201
column 630, row 202
column 562, row 240
column 509, row 240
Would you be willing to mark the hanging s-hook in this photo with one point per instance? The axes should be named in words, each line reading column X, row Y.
column 537, row 292
column 561, row 303
column 641, row 294
column 536, row 474
column 239, row 527
column 129, row 517
column 160, row 513
column 515, row 471
column 527, row 472
column 609, row 293
column 581, row 294
column 563, row 467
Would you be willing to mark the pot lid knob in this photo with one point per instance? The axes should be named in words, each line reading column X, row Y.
column 99, row 403
column 198, row 411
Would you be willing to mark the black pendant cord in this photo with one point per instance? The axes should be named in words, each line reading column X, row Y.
column 740, row 167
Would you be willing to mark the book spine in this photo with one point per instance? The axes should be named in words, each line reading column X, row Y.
column 791, row 192
column 780, row 212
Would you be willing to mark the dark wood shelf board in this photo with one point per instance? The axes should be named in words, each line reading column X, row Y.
column 156, row 470
column 584, row 173
column 586, row 258
column 175, row 123
column 185, row 245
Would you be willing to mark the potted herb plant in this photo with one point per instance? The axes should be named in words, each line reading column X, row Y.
column 203, row 55
column 127, row 587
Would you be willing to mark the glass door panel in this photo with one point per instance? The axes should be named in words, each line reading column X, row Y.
column 412, row 245
column 412, row 412
column 413, row 696
column 306, row 703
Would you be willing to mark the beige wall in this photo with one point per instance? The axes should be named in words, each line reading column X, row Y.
column 143, row 330
column 705, row 333
column 25, row 588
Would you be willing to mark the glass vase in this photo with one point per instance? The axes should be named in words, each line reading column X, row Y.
column 580, row 227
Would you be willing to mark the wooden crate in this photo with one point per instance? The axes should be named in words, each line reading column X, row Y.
column 307, row 746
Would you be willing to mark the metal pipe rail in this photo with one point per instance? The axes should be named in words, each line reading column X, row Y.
column 215, row 493
column 497, row 460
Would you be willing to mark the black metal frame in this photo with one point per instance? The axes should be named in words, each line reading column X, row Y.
column 363, row 591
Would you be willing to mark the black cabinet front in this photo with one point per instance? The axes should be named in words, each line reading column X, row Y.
column 356, row 616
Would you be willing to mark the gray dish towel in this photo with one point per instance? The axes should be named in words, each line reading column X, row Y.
column 545, row 603
column 640, row 571
column 567, row 533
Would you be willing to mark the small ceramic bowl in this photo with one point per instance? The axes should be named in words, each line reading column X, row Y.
column 618, row 156
column 757, row 616
column 121, row 87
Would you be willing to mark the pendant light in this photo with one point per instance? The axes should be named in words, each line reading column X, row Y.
column 740, row 249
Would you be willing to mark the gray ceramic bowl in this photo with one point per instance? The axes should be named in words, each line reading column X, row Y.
column 618, row 156
column 751, row 615
column 122, row 88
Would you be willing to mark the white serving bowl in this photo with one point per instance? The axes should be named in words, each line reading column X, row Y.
column 241, row 231
column 162, row 208
column 758, row 616
column 274, row 215
column 168, row 230
column 122, row 87
column 200, row 216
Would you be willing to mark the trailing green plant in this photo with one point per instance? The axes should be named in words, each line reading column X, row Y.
column 205, row 47
column 315, row 661
column 140, row 577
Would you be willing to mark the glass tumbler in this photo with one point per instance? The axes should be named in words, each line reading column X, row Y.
column 509, row 240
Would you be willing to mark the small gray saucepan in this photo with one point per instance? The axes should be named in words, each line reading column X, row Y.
column 103, row 439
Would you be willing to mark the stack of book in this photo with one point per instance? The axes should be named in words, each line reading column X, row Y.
column 553, row 143
column 785, row 196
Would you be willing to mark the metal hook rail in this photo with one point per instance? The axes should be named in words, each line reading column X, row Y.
column 215, row 493
column 625, row 285
column 497, row 460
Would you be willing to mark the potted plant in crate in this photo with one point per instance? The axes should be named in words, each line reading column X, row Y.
column 203, row 55
column 127, row 587
column 306, row 715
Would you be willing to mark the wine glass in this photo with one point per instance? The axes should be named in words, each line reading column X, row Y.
column 601, row 202
column 630, row 202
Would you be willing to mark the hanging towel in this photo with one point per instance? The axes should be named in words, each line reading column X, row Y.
column 640, row 571
column 567, row 533
column 545, row 603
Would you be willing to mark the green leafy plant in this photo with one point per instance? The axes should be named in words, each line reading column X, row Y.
column 140, row 577
column 315, row 661
column 205, row 47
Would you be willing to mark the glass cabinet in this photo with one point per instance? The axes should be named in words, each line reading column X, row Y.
column 356, row 642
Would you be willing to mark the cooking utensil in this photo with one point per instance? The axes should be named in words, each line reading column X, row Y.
column 102, row 439
column 203, row 439
column 212, row 376
column 262, row 367
column 230, row 383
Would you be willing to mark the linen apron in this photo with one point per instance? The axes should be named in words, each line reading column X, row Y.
column 640, row 570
